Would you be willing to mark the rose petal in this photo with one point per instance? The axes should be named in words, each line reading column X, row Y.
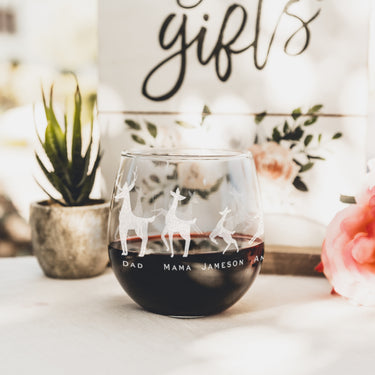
column 348, row 252
column 362, row 248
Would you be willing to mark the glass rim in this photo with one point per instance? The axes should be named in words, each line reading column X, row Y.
column 186, row 154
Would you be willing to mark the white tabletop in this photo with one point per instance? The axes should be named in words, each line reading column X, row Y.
column 283, row 325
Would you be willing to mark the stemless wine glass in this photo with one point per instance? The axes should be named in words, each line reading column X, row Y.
column 186, row 229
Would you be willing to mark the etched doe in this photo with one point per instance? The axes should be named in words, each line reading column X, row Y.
column 224, row 233
column 173, row 224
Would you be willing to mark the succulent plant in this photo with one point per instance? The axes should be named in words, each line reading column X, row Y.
column 71, row 174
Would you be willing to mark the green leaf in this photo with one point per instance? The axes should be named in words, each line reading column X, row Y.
column 152, row 129
column 187, row 193
column 306, row 167
column 206, row 112
column 297, row 162
column 276, row 136
column 155, row 197
column 260, row 117
column 311, row 121
column 86, row 163
column 155, row 178
column 77, row 159
column 174, row 175
column 133, row 125
column 320, row 138
column 216, row 186
column 56, row 131
column 295, row 135
column 84, row 196
column 55, row 182
column 51, row 149
column 86, row 160
column 299, row 184
column 138, row 139
column 337, row 136
column 314, row 109
column 286, row 127
column 57, row 136
column 296, row 113
column 308, row 139
column 315, row 157
column 51, row 196
column 46, row 108
column 69, row 177
column 203, row 193
column 185, row 124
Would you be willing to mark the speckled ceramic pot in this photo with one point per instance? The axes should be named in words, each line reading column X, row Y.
column 70, row 242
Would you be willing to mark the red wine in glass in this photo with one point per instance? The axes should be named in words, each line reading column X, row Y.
column 205, row 282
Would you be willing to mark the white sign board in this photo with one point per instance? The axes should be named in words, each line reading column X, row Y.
column 288, row 76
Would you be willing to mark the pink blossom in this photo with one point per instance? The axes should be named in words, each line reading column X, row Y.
column 274, row 162
column 348, row 254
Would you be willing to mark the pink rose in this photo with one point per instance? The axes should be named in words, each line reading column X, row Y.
column 348, row 254
column 274, row 162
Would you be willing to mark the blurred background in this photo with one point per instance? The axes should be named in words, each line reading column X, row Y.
column 41, row 41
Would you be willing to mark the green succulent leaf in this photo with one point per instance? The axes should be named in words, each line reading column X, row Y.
column 51, row 149
column 152, row 129
column 87, row 158
column 70, row 177
column 89, row 183
column 55, row 181
column 56, row 134
column 51, row 196
column 77, row 163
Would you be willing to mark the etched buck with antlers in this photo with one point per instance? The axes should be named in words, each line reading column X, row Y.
column 224, row 233
column 129, row 221
column 173, row 224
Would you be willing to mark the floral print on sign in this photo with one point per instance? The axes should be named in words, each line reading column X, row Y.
column 291, row 150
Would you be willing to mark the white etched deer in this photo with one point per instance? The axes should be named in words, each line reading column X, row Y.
column 224, row 233
column 173, row 224
column 129, row 221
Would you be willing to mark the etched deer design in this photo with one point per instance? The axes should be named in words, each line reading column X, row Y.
column 173, row 224
column 224, row 233
column 129, row 221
